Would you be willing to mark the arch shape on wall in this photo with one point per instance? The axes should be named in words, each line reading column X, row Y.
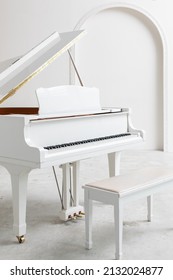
column 155, row 23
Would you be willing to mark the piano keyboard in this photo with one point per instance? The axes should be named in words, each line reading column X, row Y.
column 86, row 141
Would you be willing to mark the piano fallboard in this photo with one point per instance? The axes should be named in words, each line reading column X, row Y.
column 63, row 130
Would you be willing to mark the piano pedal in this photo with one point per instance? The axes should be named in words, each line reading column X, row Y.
column 21, row 239
column 72, row 217
column 78, row 215
column 81, row 213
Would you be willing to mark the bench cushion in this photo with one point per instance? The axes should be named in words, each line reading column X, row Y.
column 136, row 180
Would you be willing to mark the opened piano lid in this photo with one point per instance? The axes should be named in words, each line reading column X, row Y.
column 26, row 67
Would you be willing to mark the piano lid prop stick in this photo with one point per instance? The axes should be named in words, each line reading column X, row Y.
column 75, row 68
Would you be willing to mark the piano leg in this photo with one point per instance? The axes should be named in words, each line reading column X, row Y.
column 79, row 208
column 70, row 186
column 75, row 168
column 66, row 185
column 19, row 180
column 114, row 163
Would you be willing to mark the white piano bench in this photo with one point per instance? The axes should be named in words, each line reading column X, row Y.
column 117, row 190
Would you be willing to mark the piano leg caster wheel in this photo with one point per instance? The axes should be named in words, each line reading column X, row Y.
column 21, row 239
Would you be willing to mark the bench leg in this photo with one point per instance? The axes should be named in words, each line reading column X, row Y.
column 88, row 220
column 149, row 208
column 118, row 217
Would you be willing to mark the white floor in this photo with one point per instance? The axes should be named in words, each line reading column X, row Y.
column 49, row 238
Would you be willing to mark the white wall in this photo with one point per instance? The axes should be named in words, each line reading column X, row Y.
column 24, row 23
column 122, row 56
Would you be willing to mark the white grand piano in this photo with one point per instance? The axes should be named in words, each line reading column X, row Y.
column 67, row 126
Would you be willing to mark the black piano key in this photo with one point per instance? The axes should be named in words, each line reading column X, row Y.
column 64, row 145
